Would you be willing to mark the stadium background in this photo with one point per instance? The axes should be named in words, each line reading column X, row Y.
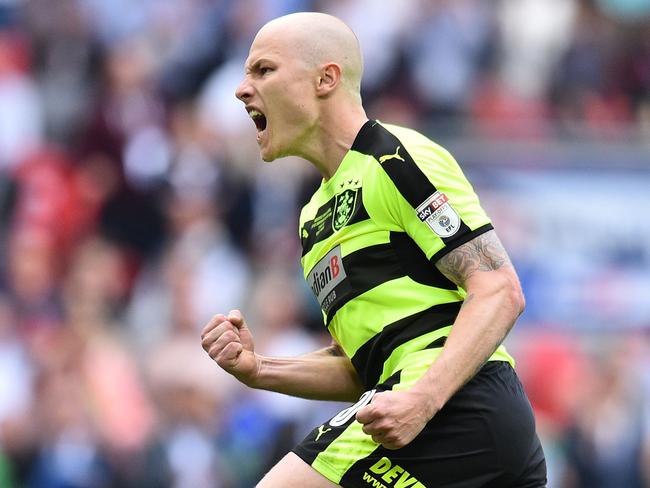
column 133, row 206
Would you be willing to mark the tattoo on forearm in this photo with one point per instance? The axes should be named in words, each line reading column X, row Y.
column 483, row 253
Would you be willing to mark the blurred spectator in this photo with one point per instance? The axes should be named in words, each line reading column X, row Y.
column 49, row 198
column 191, row 399
column 446, row 52
column 67, row 61
column 381, row 28
column 16, row 394
column 553, row 369
column 587, row 87
column 201, row 272
column 32, row 280
column 21, row 114
column 534, row 34
column 275, row 213
column 606, row 440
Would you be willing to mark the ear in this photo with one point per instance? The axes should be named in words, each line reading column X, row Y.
column 329, row 78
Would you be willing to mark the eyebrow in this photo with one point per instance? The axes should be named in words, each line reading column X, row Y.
column 253, row 66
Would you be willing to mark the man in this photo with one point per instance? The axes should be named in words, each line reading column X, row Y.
column 415, row 287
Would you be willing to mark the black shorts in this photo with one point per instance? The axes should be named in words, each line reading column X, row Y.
column 483, row 437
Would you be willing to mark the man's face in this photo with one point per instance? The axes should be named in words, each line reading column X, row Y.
column 278, row 90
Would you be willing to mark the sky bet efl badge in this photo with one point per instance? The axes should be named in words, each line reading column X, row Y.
column 439, row 215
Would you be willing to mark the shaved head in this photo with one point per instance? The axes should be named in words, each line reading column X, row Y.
column 317, row 39
column 302, row 88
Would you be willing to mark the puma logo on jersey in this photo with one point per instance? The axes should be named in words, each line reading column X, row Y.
column 387, row 157
column 321, row 430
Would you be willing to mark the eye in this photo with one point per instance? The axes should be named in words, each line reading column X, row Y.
column 264, row 70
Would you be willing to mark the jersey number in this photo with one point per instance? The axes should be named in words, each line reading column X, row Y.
column 344, row 415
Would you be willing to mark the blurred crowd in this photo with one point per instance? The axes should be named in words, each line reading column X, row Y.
column 134, row 206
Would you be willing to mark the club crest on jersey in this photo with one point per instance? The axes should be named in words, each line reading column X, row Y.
column 439, row 215
column 344, row 208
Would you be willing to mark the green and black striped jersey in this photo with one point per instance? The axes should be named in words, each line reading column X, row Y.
column 370, row 237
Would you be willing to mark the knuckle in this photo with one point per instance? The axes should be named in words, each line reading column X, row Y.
column 216, row 351
column 368, row 411
column 230, row 349
column 381, row 426
column 391, row 437
column 230, row 336
column 396, row 440
column 223, row 363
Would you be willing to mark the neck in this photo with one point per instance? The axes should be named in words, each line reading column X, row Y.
column 333, row 137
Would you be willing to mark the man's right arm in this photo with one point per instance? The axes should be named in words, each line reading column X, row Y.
column 326, row 374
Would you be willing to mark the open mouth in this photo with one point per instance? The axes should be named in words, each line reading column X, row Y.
column 259, row 119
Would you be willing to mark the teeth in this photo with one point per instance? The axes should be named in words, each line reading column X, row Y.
column 254, row 114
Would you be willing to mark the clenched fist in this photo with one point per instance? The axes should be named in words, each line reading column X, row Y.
column 394, row 418
column 229, row 343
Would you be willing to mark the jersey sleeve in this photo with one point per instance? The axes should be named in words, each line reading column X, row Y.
column 425, row 193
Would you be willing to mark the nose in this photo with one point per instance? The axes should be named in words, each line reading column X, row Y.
column 244, row 91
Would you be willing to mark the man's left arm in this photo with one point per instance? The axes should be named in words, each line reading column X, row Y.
column 494, row 301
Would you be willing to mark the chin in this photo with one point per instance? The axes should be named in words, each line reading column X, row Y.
column 268, row 158
column 269, row 155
